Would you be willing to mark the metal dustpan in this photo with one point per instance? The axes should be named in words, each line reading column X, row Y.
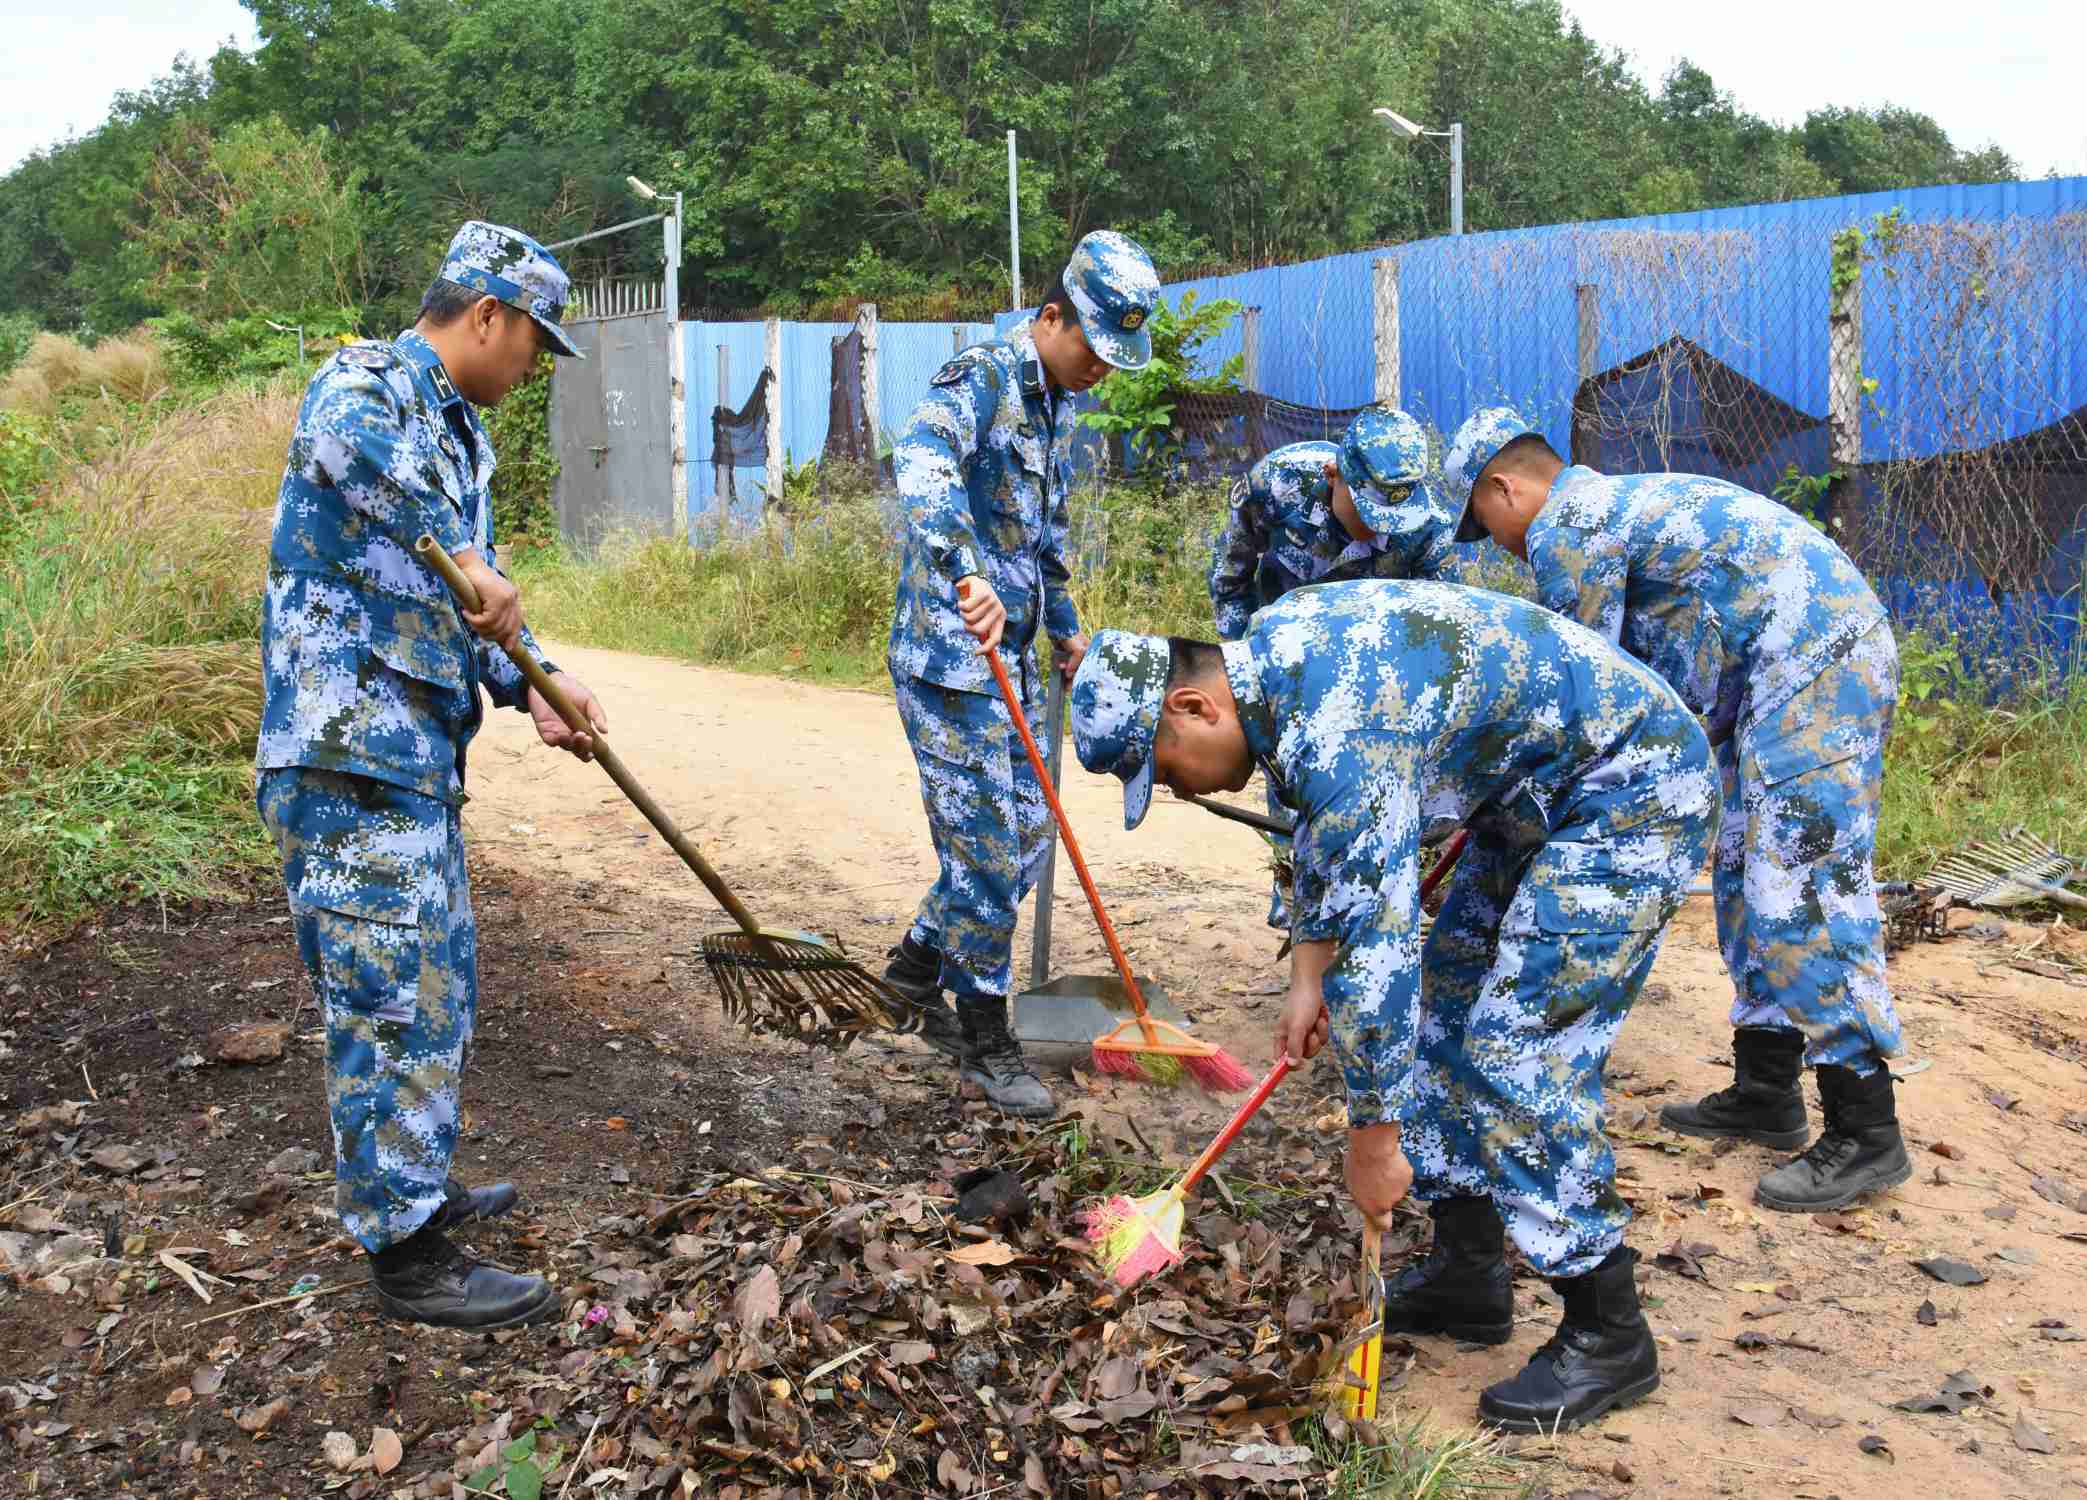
column 1073, row 1009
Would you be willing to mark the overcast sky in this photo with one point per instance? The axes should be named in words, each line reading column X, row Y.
column 1999, row 71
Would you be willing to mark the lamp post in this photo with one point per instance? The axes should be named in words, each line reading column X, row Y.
column 1455, row 136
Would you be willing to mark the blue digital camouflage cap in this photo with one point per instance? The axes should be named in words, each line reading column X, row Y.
column 1115, row 711
column 1384, row 457
column 1114, row 289
column 508, row 264
column 1477, row 443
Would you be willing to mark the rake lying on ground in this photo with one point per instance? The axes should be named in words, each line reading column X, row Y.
column 773, row 980
column 2010, row 871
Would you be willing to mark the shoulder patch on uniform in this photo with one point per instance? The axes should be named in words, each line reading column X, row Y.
column 956, row 369
column 368, row 356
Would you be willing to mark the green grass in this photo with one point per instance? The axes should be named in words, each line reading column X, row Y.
column 1416, row 1461
column 1958, row 770
column 129, row 638
column 814, row 599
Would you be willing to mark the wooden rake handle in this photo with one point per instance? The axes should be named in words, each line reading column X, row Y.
column 466, row 593
column 1072, row 845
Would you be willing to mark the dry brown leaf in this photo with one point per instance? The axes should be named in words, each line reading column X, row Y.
column 1758, row 1416
column 385, row 1450
column 255, row 1419
column 984, row 1253
column 758, row 1301
column 912, row 1352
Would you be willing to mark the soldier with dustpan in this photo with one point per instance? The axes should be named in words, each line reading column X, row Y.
column 983, row 468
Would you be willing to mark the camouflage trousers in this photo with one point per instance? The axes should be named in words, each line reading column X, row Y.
column 1515, row 1029
column 1797, row 912
column 989, row 821
column 382, row 910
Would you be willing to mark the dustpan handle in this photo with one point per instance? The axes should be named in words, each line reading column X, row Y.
column 431, row 553
column 1072, row 845
column 1047, row 880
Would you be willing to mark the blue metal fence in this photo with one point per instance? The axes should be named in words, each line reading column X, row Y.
column 908, row 354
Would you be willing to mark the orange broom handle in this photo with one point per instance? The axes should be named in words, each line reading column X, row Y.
column 1236, row 1124
column 1072, row 845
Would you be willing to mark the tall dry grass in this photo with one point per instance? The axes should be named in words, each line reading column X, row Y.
column 130, row 368
column 129, row 630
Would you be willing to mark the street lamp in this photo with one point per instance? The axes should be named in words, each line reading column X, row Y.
column 1455, row 133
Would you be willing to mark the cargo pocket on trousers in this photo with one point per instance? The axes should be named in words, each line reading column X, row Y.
column 371, row 966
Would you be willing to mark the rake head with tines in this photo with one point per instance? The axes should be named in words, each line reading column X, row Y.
column 790, row 983
column 2010, row 871
column 799, row 985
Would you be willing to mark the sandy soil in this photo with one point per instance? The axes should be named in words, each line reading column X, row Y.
column 808, row 797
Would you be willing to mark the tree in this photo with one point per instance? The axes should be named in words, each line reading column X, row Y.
column 1868, row 151
column 255, row 219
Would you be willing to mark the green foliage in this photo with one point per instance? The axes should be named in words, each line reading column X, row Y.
column 841, row 149
column 17, row 332
column 519, row 1470
column 211, row 353
column 1855, row 247
column 26, row 459
column 1138, row 405
column 520, row 427
column 252, row 218
column 1806, row 493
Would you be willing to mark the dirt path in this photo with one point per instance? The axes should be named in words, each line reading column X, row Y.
column 814, row 794
column 605, row 1083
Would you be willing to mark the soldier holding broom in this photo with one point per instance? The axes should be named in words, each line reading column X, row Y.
column 1388, row 713
column 983, row 468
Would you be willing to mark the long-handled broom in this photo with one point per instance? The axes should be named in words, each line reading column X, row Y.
column 1158, row 1052
column 771, row 979
column 1134, row 1237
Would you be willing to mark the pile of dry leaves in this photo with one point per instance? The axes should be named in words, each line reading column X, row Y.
column 838, row 1329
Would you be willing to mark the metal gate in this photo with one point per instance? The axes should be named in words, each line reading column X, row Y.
column 611, row 420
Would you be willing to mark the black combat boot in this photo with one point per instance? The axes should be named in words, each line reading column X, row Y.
column 993, row 1060
column 460, row 1204
column 426, row 1279
column 915, row 971
column 1462, row 1287
column 1602, row 1356
column 1858, row 1152
column 1764, row 1103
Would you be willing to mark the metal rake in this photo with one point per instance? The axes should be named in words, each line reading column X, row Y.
column 2011, row 871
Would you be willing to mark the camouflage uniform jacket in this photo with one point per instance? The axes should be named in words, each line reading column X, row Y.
column 983, row 468
column 1391, row 712
column 1736, row 600
column 367, row 665
column 1283, row 533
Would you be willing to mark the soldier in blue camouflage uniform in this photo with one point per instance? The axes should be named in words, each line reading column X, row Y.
column 1771, row 634
column 1318, row 512
column 983, row 468
column 1390, row 713
column 371, row 675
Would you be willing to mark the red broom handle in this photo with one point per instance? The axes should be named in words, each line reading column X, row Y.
column 1450, row 852
column 1072, row 845
column 1236, row 1124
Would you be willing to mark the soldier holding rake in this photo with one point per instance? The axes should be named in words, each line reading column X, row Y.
column 370, row 680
